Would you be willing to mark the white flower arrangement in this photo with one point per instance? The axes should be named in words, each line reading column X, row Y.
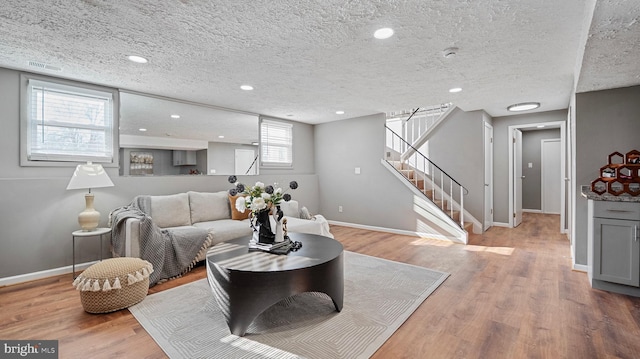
column 258, row 197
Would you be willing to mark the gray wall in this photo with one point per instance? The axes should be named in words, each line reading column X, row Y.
column 606, row 121
column 38, row 214
column 532, row 153
column 501, row 143
column 457, row 147
column 375, row 197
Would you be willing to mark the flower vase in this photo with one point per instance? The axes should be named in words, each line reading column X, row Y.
column 263, row 224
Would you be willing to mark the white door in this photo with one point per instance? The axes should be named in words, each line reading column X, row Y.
column 244, row 162
column 552, row 182
column 517, row 180
column 488, row 176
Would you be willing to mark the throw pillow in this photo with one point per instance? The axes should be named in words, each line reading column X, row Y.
column 235, row 214
column 304, row 213
column 207, row 206
column 171, row 210
column 290, row 209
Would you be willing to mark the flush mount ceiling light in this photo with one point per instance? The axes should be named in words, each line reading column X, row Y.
column 221, row 136
column 246, row 87
column 455, row 89
column 175, row 116
column 383, row 33
column 137, row 59
column 525, row 106
column 339, row 112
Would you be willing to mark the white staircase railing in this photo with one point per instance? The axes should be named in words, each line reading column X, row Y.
column 415, row 123
column 429, row 178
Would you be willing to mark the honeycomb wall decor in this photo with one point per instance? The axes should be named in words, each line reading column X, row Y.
column 620, row 175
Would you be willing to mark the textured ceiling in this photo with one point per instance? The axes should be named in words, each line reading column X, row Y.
column 612, row 53
column 307, row 59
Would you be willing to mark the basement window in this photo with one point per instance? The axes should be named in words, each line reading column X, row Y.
column 276, row 143
column 64, row 122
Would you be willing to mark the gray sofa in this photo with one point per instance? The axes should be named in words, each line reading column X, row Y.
column 213, row 211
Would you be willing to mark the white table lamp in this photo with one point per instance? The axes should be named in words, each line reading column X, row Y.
column 89, row 176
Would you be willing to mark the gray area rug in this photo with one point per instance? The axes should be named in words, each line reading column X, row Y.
column 379, row 296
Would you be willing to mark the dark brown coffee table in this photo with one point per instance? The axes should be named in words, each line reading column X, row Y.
column 245, row 283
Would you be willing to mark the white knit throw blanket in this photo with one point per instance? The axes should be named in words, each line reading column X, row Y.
column 172, row 252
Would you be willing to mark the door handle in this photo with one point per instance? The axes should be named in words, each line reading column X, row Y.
column 522, row 177
column 486, row 185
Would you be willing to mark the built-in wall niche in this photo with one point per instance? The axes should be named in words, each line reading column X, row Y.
column 152, row 123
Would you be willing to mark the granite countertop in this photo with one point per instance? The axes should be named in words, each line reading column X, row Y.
column 586, row 192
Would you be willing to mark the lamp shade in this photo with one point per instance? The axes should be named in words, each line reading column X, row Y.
column 89, row 176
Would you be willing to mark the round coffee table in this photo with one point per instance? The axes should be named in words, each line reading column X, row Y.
column 246, row 282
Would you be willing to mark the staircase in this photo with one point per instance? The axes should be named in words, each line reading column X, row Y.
column 444, row 193
column 442, row 202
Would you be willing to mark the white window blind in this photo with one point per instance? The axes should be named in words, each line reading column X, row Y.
column 276, row 143
column 68, row 123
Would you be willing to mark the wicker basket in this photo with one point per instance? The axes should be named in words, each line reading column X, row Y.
column 113, row 284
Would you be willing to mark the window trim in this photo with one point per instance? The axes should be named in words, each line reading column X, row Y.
column 24, row 122
column 276, row 165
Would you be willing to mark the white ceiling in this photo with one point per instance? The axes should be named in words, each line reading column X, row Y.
column 307, row 59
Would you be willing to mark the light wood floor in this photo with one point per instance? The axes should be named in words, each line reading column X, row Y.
column 511, row 294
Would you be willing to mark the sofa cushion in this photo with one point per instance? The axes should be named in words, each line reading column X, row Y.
column 290, row 209
column 171, row 210
column 226, row 229
column 304, row 213
column 209, row 206
column 235, row 214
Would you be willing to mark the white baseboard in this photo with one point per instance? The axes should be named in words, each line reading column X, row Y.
column 43, row 274
column 532, row 210
column 397, row 231
column 580, row 267
column 501, row 224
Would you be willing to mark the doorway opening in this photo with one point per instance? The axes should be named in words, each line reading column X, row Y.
column 516, row 175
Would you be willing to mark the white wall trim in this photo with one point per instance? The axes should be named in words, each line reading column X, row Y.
column 501, row 224
column 397, row 231
column 531, row 210
column 580, row 267
column 44, row 274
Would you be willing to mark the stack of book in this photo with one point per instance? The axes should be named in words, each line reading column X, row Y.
column 277, row 247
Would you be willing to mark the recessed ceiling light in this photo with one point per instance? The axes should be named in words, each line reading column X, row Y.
column 525, row 106
column 383, row 33
column 175, row 116
column 540, row 126
column 255, row 143
column 137, row 59
column 142, row 129
column 339, row 112
column 455, row 89
column 246, row 87
column 221, row 136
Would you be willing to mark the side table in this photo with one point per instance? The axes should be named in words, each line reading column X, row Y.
column 98, row 232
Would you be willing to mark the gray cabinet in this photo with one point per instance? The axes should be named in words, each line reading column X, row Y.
column 616, row 242
column 184, row 158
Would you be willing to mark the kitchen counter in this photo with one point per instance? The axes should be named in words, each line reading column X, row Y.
column 587, row 193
